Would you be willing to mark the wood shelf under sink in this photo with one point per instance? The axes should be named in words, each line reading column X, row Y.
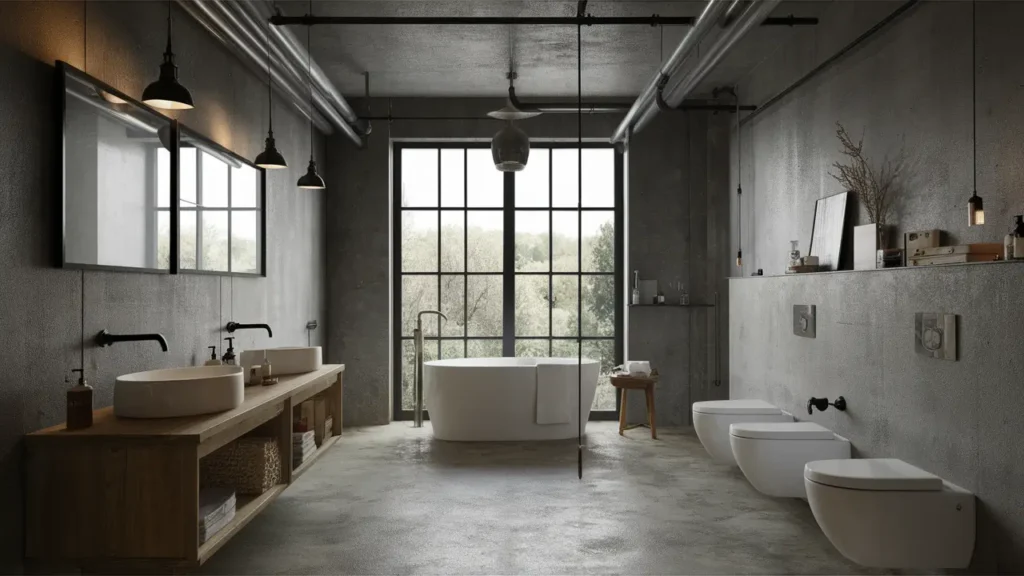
column 123, row 495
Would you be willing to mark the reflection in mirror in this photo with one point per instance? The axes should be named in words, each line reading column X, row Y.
column 116, row 178
column 221, row 209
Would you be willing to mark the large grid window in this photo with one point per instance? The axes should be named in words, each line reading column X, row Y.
column 499, row 254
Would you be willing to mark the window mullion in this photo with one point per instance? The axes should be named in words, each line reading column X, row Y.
column 508, row 276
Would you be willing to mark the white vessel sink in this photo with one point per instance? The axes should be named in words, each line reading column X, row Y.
column 284, row 361
column 178, row 392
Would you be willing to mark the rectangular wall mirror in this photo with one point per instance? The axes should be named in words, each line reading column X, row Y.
column 221, row 209
column 115, row 189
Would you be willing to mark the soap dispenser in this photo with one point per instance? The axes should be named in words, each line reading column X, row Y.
column 213, row 361
column 79, row 403
column 229, row 355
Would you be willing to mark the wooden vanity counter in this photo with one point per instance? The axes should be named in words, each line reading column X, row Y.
column 123, row 495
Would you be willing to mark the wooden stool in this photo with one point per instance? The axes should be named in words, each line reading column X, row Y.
column 626, row 383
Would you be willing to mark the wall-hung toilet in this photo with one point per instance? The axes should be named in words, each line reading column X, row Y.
column 772, row 455
column 711, row 421
column 886, row 513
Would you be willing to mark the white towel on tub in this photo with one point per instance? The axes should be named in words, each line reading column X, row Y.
column 556, row 384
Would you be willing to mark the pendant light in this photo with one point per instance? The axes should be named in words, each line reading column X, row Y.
column 510, row 147
column 270, row 158
column 311, row 180
column 167, row 92
column 975, row 206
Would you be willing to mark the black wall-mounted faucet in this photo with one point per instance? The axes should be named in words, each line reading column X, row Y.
column 105, row 338
column 822, row 404
column 232, row 326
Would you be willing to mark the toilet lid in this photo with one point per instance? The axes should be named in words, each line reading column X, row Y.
column 735, row 407
column 871, row 474
column 781, row 431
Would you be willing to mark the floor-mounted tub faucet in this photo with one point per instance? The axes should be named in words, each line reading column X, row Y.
column 105, row 338
column 417, row 336
column 232, row 326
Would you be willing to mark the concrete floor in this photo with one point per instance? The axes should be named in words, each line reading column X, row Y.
column 391, row 500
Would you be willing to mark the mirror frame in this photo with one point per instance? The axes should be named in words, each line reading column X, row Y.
column 211, row 147
column 63, row 70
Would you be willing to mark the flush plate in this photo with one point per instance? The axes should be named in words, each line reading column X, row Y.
column 935, row 335
column 804, row 324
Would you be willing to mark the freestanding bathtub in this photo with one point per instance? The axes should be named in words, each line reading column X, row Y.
column 494, row 399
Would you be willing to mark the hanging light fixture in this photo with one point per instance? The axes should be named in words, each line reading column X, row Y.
column 270, row 158
column 975, row 206
column 510, row 147
column 311, row 180
column 167, row 92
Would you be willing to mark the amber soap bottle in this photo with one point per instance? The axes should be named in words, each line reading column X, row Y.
column 79, row 403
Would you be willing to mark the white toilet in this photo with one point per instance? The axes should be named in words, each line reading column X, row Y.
column 772, row 455
column 885, row 513
column 712, row 419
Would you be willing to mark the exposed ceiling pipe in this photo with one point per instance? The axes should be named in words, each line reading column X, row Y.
column 688, row 81
column 253, row 57
column 705, row 23
column 565, row 108
column 260, row 12
column 254, row 37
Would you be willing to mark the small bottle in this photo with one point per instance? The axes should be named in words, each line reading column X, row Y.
column 1018, row 237
column 636, row 288
column 266, row 372
column 229, row 356
column 684, row 297
column 794, row 253
column 213, row 361
column 79, row 403
column 1008, row 242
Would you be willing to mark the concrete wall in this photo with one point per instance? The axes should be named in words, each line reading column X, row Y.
column 40, row 336
column 909, row 86
column 668, row 186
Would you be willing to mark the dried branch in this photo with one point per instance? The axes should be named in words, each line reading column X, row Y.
column 876, row 189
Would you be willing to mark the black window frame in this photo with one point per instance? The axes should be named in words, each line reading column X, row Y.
column 508, row 273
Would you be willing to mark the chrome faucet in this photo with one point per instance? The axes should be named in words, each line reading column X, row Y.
column 417, row 335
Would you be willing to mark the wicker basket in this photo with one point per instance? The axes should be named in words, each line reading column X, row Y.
column 247, row 465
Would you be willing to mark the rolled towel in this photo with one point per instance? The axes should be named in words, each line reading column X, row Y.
column 638, row 368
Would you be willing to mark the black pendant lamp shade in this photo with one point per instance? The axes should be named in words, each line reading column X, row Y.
column 311, row 180
column 167, row 92
column 270, row 158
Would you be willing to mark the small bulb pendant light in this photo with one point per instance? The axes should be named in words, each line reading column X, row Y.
column 975, row 206
column 311, row 180
column 270, row 158
column 167, row 92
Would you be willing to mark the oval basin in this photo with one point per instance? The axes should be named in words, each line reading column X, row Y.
column 178, row 392
column 284, row 361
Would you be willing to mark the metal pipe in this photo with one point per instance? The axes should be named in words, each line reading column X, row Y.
column 417, row 335
column 714, row 54
column 307, row 20
column 252, row 33
column 260, row 12
column 565, row 107
column 835, row 57
column 250, row 55
column 707, row 21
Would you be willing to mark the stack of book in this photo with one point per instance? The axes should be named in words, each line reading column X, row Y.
column 216, row 510
column 303, row 446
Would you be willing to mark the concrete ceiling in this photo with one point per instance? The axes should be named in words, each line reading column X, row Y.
column 471, row 61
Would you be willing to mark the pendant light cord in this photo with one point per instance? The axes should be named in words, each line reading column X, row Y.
column 270, row 87
column 739, row 177
column 974, row 89
column 168, row 51
column 309, row 72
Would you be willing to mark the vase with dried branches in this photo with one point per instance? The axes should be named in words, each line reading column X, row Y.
column 876, row 188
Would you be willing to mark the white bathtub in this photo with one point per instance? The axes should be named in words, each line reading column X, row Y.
column 494, row 399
